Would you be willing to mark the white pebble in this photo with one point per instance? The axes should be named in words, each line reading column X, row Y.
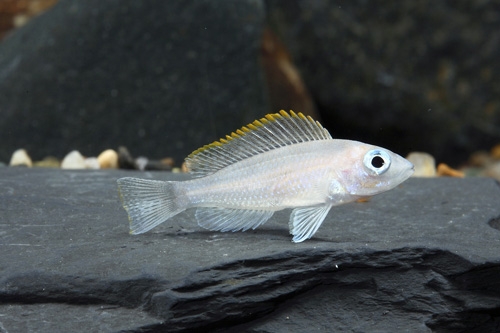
column 493, row 171
column 74, row 160
column 20, row 157
column 92, row 163
column 425, row 164
column 141, row 162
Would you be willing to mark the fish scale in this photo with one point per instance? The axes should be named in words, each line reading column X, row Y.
column 280, row 179
column 280, row 161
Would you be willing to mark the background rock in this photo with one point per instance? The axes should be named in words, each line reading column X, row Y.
column 410, row 76
column 14, row 13
column 162, row 78
column 165, row 78
column 421, row 257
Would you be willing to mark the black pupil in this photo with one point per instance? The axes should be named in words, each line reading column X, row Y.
column 377, row 162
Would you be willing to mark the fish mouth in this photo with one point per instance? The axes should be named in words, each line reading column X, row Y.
column 405, row 174
column 412, row 169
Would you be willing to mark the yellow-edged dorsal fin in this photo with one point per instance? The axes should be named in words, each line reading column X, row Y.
column 268, row 133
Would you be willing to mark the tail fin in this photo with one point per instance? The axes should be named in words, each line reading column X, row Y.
column 148, row 202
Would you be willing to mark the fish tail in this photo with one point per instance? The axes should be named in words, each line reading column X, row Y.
column 148, row 202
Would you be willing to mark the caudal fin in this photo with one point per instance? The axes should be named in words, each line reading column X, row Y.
column 148, row 202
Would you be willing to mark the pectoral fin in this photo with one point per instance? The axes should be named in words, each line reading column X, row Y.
column 304, row 222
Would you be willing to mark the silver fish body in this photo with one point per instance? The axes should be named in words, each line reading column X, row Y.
column 280, row 162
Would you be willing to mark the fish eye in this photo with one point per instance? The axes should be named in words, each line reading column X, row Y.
column 377, row 161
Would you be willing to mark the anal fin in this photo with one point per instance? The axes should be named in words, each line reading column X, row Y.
column 227, row 219
column 304, row 222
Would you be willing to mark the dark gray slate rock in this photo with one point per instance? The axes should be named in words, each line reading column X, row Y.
column 423, row 72
column 161, row 77
column 422, row 257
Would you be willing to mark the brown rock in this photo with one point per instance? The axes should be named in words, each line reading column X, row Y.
column 495, row 152
column 157, row 165
column 48, row 162
column 445, row 170
column 480, row 159
column 14, row 13
column 169, row 161
column 286, row 87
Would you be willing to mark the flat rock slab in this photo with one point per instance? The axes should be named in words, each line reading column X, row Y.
column 424, row 256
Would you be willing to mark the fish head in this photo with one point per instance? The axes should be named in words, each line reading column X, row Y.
column 376, row 170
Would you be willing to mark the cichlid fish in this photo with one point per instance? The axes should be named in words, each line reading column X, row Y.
column 282, row 161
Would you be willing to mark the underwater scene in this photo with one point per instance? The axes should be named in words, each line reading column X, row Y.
column 236, row 165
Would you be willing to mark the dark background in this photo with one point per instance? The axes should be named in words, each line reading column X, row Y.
column 166, row 77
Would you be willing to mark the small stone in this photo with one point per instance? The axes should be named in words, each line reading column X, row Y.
column 425, row 164
column 184, row 167
column 445, row 170
column 125, row 160
column 20, row 158
column 176, row 170
column 480, row 159
column 48, row 162
column 493, row 171
column 168, row 161
column 473, row 171
column 141, row 162
column 74, row 160
column 158, row 165
column 495, row 152
column 108, row 159
column 92, row 163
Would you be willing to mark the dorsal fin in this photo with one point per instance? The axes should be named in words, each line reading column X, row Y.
column 271, row 132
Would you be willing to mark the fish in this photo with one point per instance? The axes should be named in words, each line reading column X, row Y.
column 284, row 160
